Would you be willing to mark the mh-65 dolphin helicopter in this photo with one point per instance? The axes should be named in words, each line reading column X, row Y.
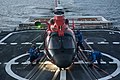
column 60, row 43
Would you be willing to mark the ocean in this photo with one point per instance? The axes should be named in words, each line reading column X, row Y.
column 13, row 12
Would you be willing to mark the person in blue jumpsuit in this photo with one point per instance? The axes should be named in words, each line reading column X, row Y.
column 79, row 39
column 95, row 56
column 32, row 53
column 39, row 55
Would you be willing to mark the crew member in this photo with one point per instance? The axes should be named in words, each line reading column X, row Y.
column 95, row 56
column 38, row 54
column 32, row 53
column 79, row 37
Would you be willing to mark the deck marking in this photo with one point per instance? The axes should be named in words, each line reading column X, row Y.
column 96, row 30
column 117, row 32
column 39, row 43
column 63, row 75
column 26, row 62
column 26, row 43
column 11, row 73
column 103, row 62
column 11, row 34
column 116, row 72
column 103, row 43
column 3, row 43
column 90, row 43
column 12, row 63
column 13, row 43
column 5, row 37
column 81, row 62
column 116, row 42
column 9, row 70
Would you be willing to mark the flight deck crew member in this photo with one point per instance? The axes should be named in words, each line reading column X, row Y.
column 79, row 37
column 32, row 53
column 95, row 56
column 38, row 54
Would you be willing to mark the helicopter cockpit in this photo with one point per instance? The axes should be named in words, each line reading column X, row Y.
column 61, row 42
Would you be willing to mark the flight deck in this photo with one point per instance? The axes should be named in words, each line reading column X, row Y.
column 15, row 65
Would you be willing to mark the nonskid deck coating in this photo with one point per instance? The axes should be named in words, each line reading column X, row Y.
column 9, row 51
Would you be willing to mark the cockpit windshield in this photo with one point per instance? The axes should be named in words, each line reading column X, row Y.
column 57, row 42
column 68, row 42
column 54, row 43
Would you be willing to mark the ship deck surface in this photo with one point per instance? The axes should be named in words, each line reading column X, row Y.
column 17, row 43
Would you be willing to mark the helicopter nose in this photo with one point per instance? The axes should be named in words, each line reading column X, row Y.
column 63, row 60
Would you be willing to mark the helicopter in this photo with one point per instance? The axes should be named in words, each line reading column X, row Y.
column 60, row 43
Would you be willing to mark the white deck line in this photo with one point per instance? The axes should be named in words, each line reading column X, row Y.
column 9, row 70
column 27, row 62
column 3, row 43
column 39, row 43
column 26, row 43
column 116, row 72
column 116, row 42
column 63, row 75
column 81, row 62
column 11, row 73
column 90, row 43
column 21, row 43
column 5, row 37
column 96, row 30
column 13, row 43
column 12, row 63
column 103, row 43
column 117, row 32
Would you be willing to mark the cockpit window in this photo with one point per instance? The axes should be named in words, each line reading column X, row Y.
column 54, row 43
column 68, row 42
column 57, row 42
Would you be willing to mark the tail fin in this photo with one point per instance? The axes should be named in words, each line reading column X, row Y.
column 57, row 2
